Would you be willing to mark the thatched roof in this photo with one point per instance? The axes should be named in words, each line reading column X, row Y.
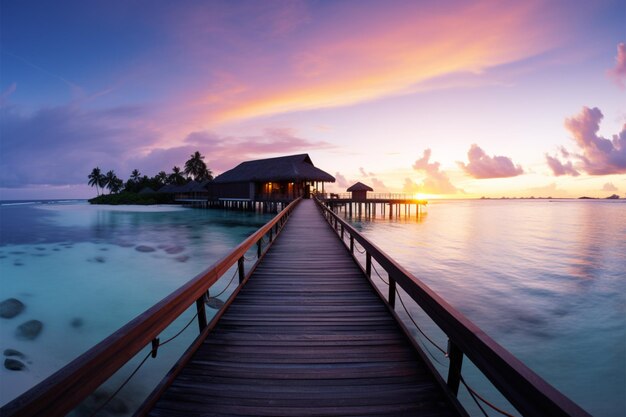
column 146, row 190
column 283, row 168
column 359, row 186
column 169, row 188
column 190, row 187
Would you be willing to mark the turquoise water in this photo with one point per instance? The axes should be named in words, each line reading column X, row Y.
column 545, row 279
column 84, row 271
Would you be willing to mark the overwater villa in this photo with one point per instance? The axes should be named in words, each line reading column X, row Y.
column 281, row 178
column 270, row 182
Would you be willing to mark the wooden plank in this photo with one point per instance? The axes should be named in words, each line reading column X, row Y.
column 307, row 335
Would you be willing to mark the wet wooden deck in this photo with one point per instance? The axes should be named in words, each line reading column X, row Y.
column 307, row 335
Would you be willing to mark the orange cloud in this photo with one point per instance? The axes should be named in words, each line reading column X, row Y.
column 377, row 53
column 435, row 181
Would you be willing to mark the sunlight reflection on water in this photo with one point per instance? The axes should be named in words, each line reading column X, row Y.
column 546, row 279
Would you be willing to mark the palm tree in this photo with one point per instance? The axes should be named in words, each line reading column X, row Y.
column 116, row 185
column 161, row 177
column 111, row 180
column 135, row 175
column 176, row 177
column 96, row 179
column 196, row 168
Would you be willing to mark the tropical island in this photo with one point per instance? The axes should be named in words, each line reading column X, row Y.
column 143, row 190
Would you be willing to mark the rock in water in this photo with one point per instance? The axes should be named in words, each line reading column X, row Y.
column 10, row 308
column 13, row 365
column 173, row 250
column 13, row 352
column 77, row 322
column 144, row 248
column 29, row 330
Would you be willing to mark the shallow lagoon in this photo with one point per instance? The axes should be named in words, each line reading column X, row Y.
column 84, row 271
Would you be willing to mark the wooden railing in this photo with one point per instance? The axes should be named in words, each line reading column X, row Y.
column 523, row 388
column 370, row 196
column 61, row 392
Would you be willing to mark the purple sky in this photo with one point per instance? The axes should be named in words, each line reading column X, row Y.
column 447, row 98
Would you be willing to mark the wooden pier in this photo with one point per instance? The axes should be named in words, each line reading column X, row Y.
column 304, row 338
column 386, row 207
column 305, row 333
column 237, row 204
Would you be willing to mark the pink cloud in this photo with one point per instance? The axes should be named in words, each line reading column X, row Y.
column 224, row 152
column 435, row 181
column 341, row 180
column 378, row 185
column 558, row 168
column 369, row 177
column 598, row 155
column 618, row 72
column 609, row 187
column 484, row 166
column 366, row 174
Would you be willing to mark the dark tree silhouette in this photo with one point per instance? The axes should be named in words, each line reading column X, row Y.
column 176, row 177
column 111, row 182
column 196, row 168
column 135, row 175
column 96, row 179
column 161, row 177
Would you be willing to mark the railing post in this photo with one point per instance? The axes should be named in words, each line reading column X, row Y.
column 201, row 313
column 454, row 370
column 368, row 265
column 392, row 292
column 242, row 272
column 342, row 232
column 259, row 248
column 352, row 244
column 271, row 234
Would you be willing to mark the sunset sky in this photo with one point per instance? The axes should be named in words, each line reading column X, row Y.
column 446, row 98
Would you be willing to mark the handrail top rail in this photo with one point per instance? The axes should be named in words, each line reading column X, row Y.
column 510, row 375
column 119, row 347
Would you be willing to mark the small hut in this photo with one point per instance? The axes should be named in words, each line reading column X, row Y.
column 359, row 191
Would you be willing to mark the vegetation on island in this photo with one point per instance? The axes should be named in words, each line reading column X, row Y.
column 144, row 190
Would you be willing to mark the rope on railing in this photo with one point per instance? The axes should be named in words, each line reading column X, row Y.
column 254, row 258
column 358, row 250
column 485, row 401
column 377, row 273
column 471, row 393
column 423, row 334
column 155, row 347
column 227, row 285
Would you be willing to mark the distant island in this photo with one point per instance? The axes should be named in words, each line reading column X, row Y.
column 144, row 190
column 611, row 197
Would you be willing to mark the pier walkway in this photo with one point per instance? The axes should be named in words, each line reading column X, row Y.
column 307, row 335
